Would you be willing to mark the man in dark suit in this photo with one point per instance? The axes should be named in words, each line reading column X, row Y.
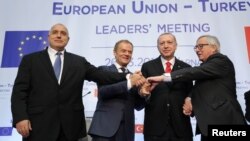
column 47, row 108
column 214, row 99
column 247, row 103
column 114, row 118
column 164, row 119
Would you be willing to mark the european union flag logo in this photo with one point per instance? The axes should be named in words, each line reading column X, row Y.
column 6, row 131
column 19, row 43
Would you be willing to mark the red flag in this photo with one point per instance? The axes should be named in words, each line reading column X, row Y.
column 247, row 32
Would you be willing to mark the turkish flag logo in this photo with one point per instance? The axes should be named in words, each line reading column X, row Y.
column 247, row 32
column 138, row 128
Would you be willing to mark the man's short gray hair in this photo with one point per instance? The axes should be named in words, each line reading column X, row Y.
column 212, row 40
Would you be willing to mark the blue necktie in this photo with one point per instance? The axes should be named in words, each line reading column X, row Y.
column 57, row 65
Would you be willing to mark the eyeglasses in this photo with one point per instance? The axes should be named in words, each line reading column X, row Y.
column 200, row 46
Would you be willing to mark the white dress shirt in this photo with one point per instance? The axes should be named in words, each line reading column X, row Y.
column 52, row 55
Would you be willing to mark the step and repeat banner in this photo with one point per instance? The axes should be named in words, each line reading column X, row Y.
column 96, row 25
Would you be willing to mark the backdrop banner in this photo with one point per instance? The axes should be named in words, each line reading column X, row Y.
column 95, row 26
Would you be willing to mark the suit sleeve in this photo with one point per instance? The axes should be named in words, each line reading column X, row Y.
column 112, row 90
column 247, row 102
column 139, row 101
column 214, row 68
column 102, row 77
column 20, row 92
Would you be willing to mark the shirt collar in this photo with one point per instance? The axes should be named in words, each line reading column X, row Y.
column 118, row 66
column 52, row 51
column 172, row 61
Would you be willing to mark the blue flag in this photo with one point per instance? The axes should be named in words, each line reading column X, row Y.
column 6, row 131
column 19, row 43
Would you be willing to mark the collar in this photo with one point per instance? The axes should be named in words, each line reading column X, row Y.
column 118, row 66
column 172, row 61
column 52, row 51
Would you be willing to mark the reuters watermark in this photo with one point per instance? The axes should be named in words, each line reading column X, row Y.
column 241, row 132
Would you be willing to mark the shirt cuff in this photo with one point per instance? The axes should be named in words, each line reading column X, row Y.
column 129, row 86
column 167, row 77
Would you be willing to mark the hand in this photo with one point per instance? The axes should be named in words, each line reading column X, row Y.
column 153, row 85
column 145, row 89
column 155, row 79
column 187, row 106
column 24, row 127
column 138, row 72
column 137, row 79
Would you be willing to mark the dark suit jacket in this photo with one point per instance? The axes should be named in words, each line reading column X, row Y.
column 157, row 111
column 214, row 94
column 247, row 103
column 115, row 105
column 37, row 96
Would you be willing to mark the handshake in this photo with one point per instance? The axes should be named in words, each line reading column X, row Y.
column 145, row 86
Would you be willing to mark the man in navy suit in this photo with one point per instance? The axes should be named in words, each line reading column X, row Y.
column 47, row 108
column 114, row 118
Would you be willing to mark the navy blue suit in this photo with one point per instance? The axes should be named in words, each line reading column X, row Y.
column 115, row 106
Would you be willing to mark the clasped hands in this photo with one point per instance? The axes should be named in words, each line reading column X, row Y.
column 146, row 88
column 145, row 85
column 153, row 81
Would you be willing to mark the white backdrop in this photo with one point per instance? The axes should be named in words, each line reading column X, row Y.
column 95, row 26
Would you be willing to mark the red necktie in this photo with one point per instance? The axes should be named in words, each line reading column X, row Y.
column 168, row 67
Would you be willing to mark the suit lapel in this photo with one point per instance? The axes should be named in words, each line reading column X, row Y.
column 177, row 65
column 158, row 66
column 66, row 66
column 47, row 63
column 113, row 68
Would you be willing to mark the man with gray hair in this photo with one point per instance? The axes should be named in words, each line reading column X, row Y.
column 214, row 99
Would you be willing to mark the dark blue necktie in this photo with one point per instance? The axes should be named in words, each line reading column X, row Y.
column 57, row 65
column 123, row 69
